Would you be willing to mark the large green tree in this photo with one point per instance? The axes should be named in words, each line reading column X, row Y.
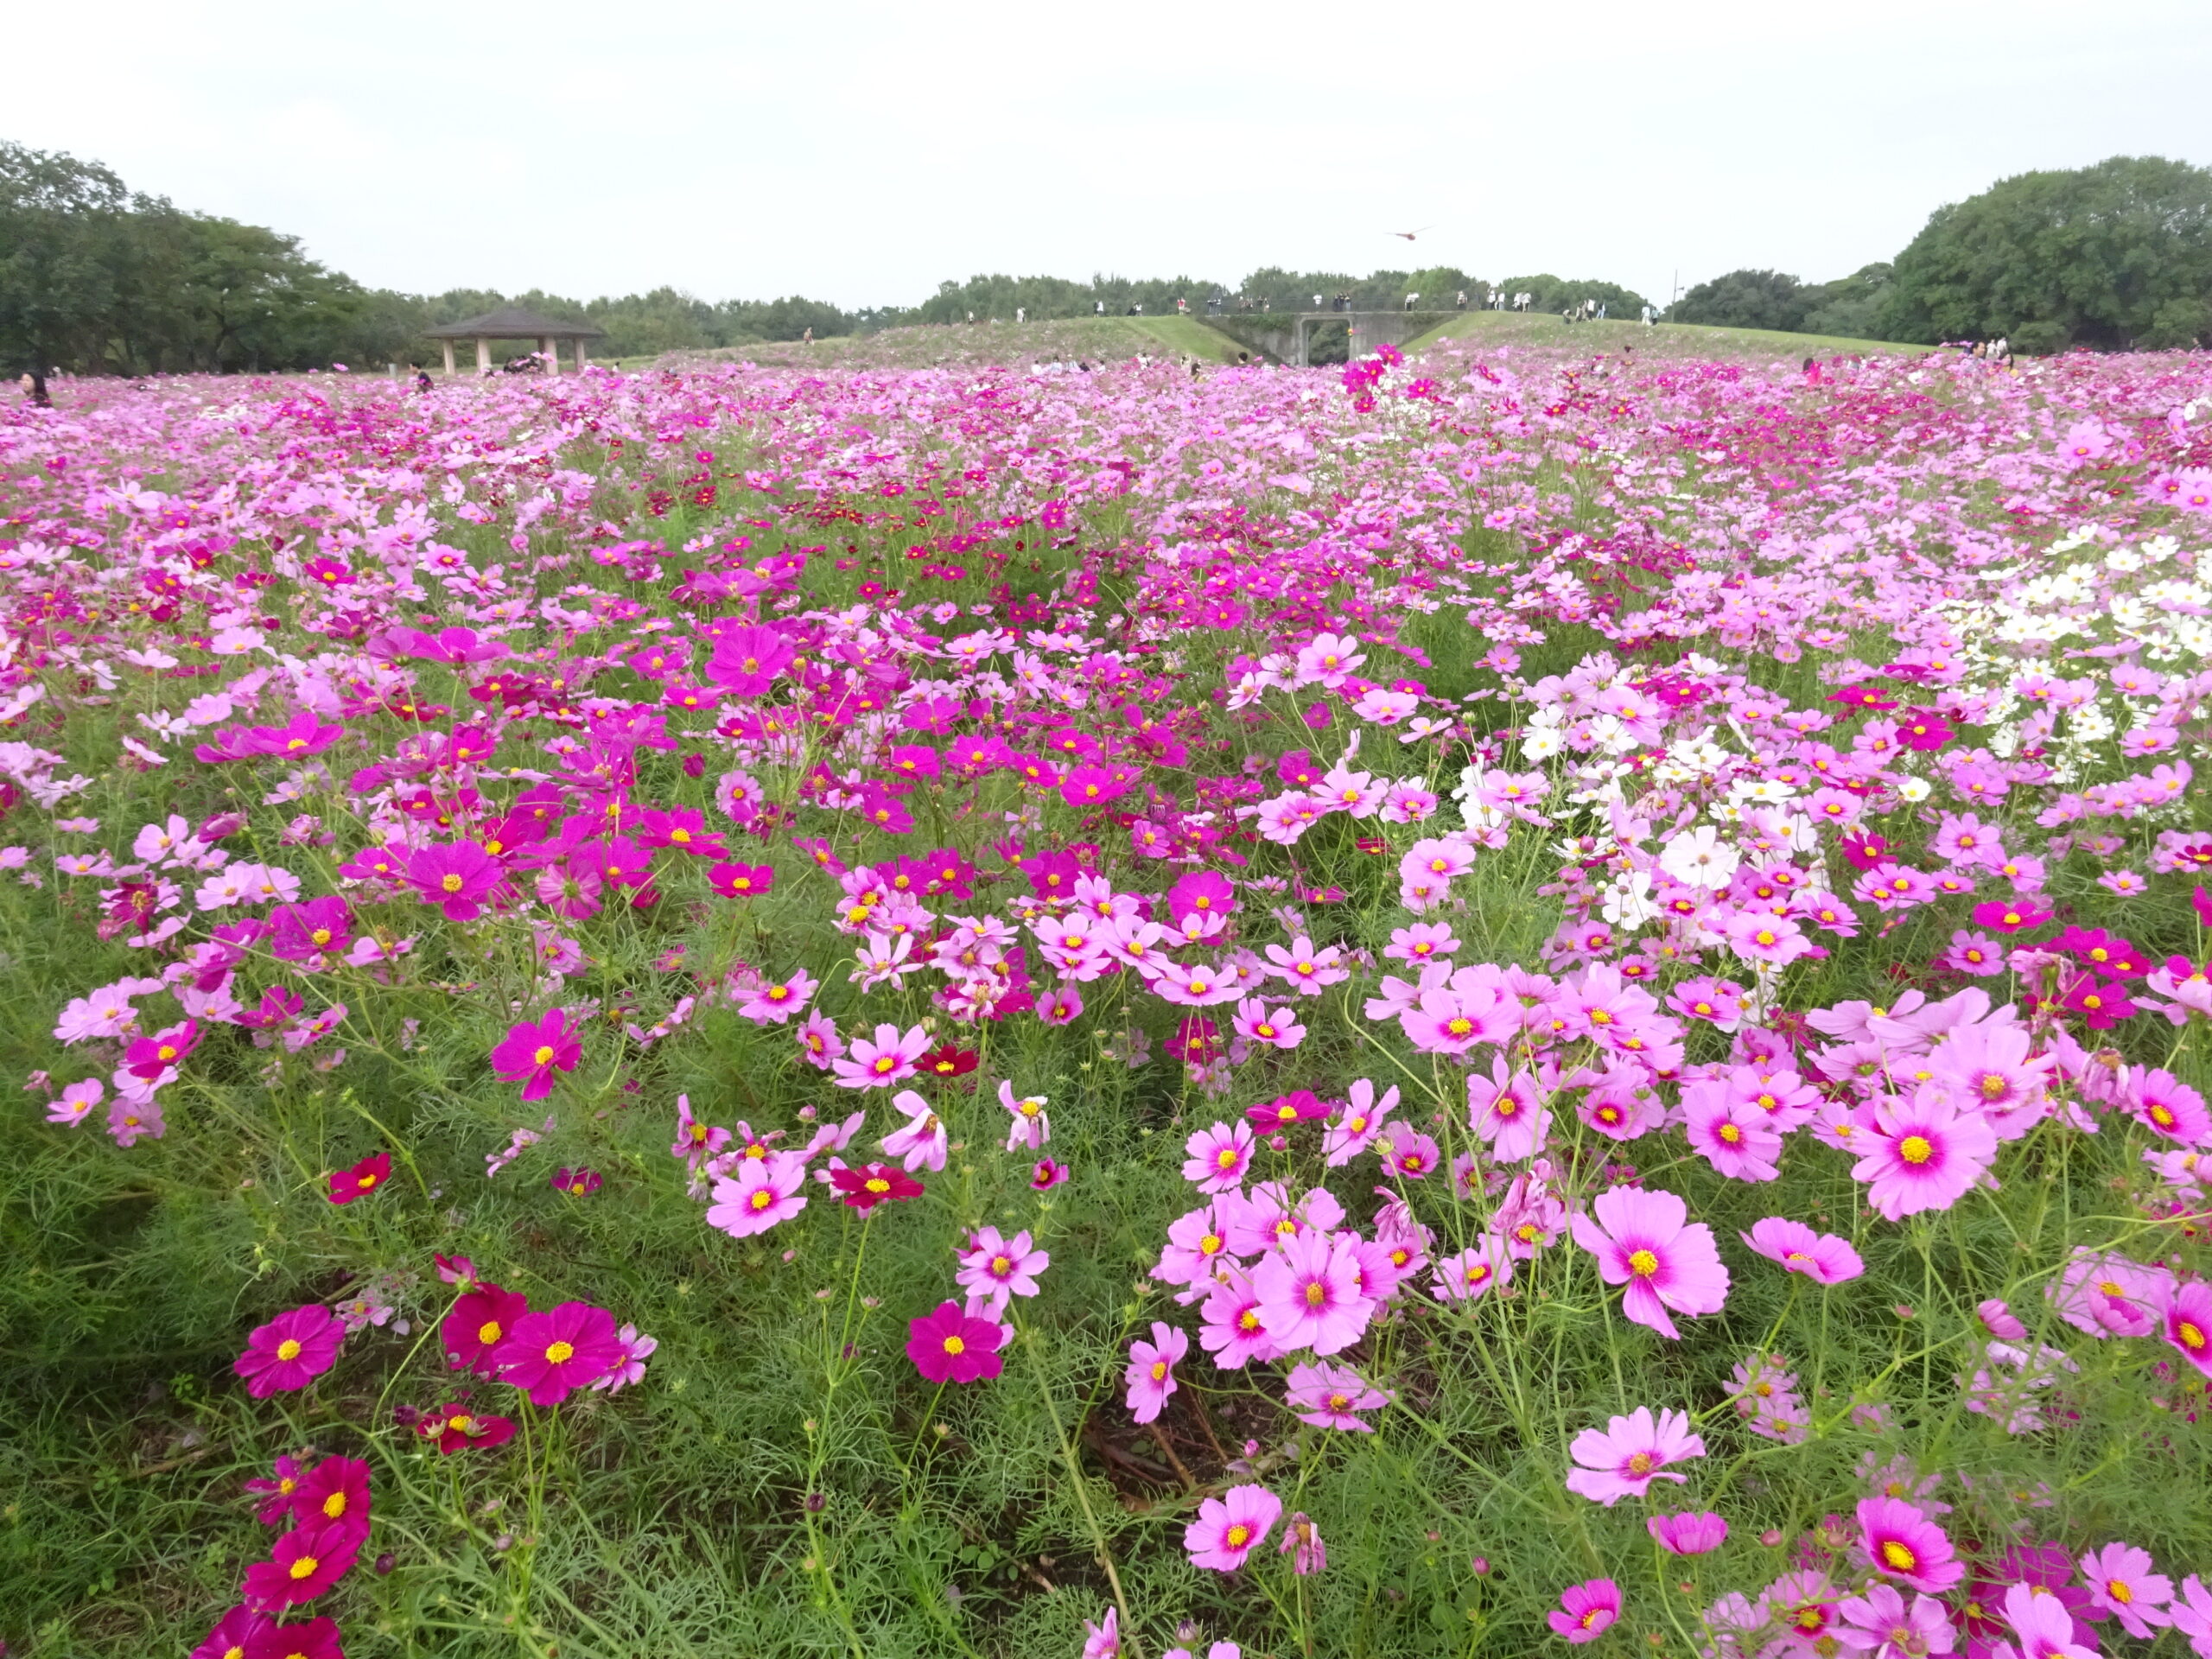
column 2109, row 256
column 1746, row 299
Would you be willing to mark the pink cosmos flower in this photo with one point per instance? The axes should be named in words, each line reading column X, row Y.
column 1103, row 1640
column 1234, row 1332
column 2188, row 1316
column 1151, row 1374
column 949, row 1346
column 363, row 1178
column 1309, row 1293
column 1883, row 1621
column 1587, row 1611
column 765, row 1191
column 694, row 1141
column 1822, row 1257
column 1232, row 1527
column 1922, row 1153
column 2043, row 1624
column 1629, row 1453
column 1482, row 1267
column 1736, row 1138
column 1356, row 1127
column 290, row 1351
column 2122, row 1582
column 1644, row 1240
column 1687, row 1535
column 531, row 1052
column 992, row 1270
column 893, row 1057
column 1218, row 1157
column 819, row 1044
column 1905, row 1545
column 2192, row 1615
column 774, row 1003
column 548, row 1355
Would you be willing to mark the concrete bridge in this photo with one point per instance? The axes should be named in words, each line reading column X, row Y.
column 1286, row 336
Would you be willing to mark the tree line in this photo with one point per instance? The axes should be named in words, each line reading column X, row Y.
column 96, row 278
column 2110, row 256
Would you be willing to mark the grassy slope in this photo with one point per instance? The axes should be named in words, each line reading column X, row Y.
column 1667, row 340
column 1091, row 338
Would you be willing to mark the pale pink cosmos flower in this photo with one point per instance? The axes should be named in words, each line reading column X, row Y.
column 1999, row 1320
column 630, row 1367
column 1031, row 1127
column 1332, row 1396
column 1629, row 1452
column 1275, row 1027
column 1882, row 1621
column 76, row 1102
column 1151, row 1375
column 819, row 1044
column 1643, row 1239
column 1307, row 969
column 1587, row 1610
column 1473, row 1271
column 922, row 1143
column 1356, row 1127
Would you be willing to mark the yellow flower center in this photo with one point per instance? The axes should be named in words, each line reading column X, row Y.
column 1643, row 1263
column 1238, row 1536
column 1159, row 1369
column 334, row 1505
column 1898, row 1558
column 489, row 1332
column 451, row 883
column 1916, row 1149
column 955, row 1345
column 288, row 1348
column 561, row 1353
column 544, row 1056
column 304, row 1567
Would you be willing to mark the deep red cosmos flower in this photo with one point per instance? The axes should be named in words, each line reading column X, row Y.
column 869, row 1184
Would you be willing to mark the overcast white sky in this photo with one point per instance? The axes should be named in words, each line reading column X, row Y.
column 860, row 152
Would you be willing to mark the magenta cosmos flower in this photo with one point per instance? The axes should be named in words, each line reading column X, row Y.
column 373, row 1172
column 1924, row 1153
column 1631, row 1452
column 335, row 1490
column 549, row 1354
column 948, row 1346
column 1151, row 1374
column 233, row 1634
column 303, row 1563
column 290, row 1351
column 481, row 1318
column 766, row 1191
column 1232, row 1527
column 456, row 878
column 531, row 1053
column 1822, row 1257
column 1587, row 1610
column 312, row 1638
column 1905, row 1545
column 1645, row 1241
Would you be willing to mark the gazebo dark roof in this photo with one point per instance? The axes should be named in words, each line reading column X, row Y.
column 513, row 322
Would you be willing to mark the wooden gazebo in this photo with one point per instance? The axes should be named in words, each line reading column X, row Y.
column 513, row 322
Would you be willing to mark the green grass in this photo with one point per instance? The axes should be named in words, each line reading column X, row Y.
column 1663, row 339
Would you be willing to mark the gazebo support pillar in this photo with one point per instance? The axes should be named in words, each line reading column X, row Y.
column 483, row 355
column 549, row 348
column 581, row 359
column 450, row 370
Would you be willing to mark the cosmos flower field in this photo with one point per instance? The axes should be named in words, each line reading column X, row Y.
column 1463, row 1006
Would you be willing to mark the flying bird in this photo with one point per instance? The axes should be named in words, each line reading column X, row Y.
column 1410, row 235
